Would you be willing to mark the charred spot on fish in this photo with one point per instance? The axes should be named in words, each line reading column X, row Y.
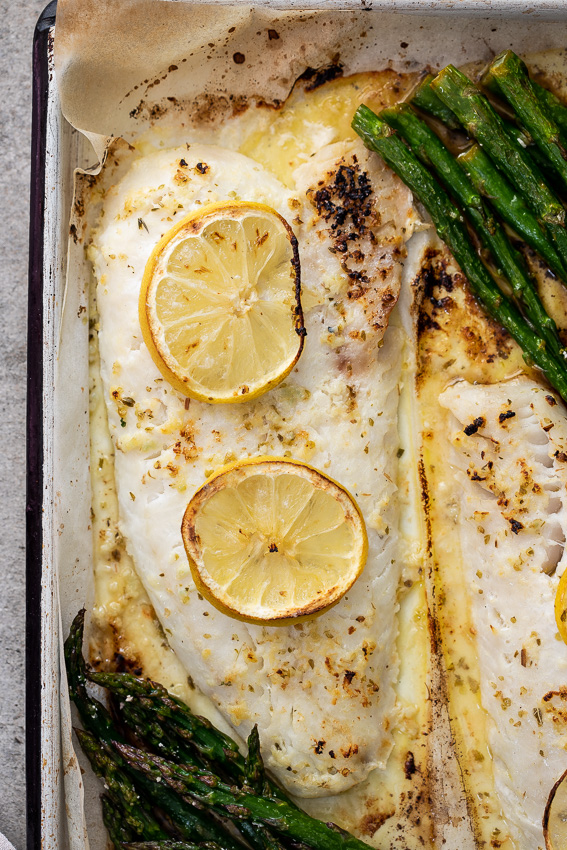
column 344, row 196
column 315, row 77
column 238, row 58
column 560, row 456
column 477, row 423
column 515, row 525
column 442, row 303
column 348, row 677
column 560, row 692
column 432, row 275
column 507, row 415
column 371, row 823
column 550, row 400
column 318, row 748
column 409, row 765
column 344, row 201
column 202, row 167
column 183, row 163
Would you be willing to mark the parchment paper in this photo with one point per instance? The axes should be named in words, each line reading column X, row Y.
column 122, row 64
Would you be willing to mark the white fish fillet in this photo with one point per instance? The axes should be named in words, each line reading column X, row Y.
column 321, row 692
column 510, row 460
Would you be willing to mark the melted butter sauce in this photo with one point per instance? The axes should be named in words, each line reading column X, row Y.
column 392, row 805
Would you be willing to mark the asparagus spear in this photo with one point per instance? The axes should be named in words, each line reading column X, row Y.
column 378, row 136
column 120, row 789
column 190, row 822
column 155, row 735
column 213, row 744
column 428, row 101
column 190, row 782
column 484, row 124
column 169, row 845
column 431, row 151
column 510, row 206
column 168, row 744
column 556, row 110
column 119, row 832
column 425, row 98
column 255, row 777
column 508, row 76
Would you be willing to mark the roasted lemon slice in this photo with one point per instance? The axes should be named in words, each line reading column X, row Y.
column 271, row 540
column 555, row 816
column 220, row 304
column 561, row 607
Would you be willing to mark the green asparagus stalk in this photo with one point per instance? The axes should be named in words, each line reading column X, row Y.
column 118, row 830
column 120, row 789
column 556, row 110
column 213, row 744
column 190, row 822
column 431, row 151
column 239, row 803
column 426, row 99
column 167, row 743
column 255, row 776
column 483, row 123
column 378, row 136
column 510, row 207
column 508, row 76
column 169, row 845
column 155, row 734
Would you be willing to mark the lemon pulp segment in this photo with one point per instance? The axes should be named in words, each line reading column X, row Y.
column 220, row 304
column 272, row 539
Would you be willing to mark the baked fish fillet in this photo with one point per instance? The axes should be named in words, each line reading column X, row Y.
column 509, row 459
column 493, row 441
column 322, row 692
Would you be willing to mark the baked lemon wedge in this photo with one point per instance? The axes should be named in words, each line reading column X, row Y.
column 220, row 306
column 561, row 606
column 555, row 816
column 270, row 540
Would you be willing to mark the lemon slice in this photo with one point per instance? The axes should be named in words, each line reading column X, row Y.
column 561, row 607
column 220, row 304
column 555, row 816
column 270, row 540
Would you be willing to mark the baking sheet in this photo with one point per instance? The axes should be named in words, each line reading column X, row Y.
column 120, row 67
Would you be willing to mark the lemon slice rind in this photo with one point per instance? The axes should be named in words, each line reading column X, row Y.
column 277, row 320
column 561, row 606
column 314, row 514
column 555, row 816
